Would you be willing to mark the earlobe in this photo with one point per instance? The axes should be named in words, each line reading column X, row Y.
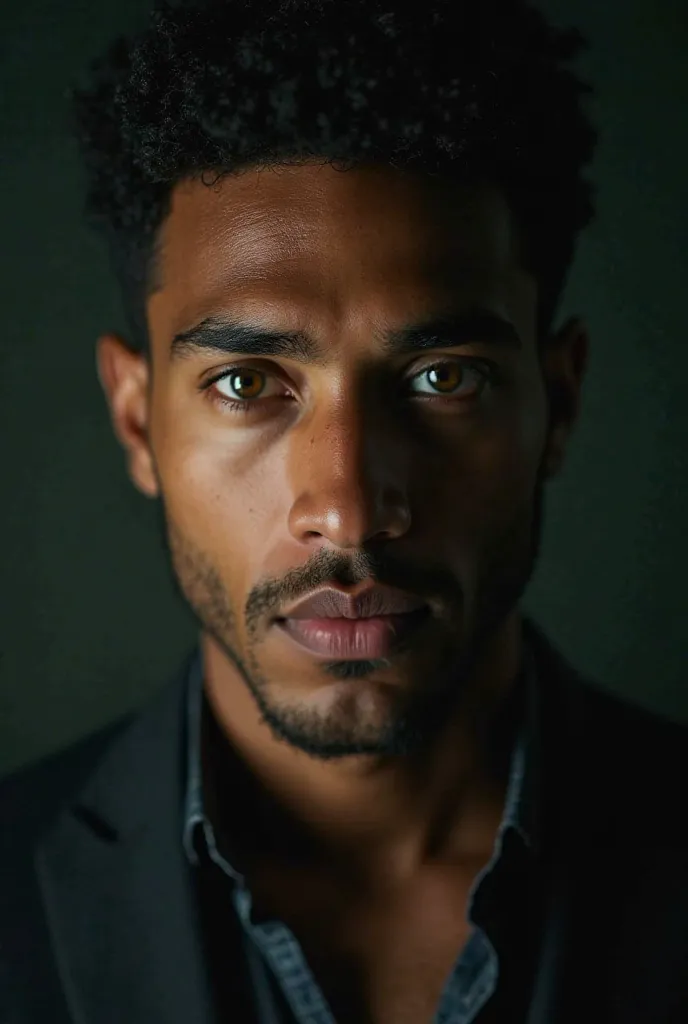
column 124, row 377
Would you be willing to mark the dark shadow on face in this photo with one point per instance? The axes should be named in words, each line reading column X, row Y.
column 341, row 474
column 417, row 715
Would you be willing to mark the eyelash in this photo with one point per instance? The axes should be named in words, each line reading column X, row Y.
column 488, row 370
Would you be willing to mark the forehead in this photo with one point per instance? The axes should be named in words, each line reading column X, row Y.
column 310, row 236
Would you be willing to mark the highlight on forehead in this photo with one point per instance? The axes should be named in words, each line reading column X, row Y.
column 247, row 224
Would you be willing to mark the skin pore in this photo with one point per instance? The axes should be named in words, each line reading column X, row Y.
column 357, row 461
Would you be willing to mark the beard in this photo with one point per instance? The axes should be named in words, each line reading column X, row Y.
column 417, row 715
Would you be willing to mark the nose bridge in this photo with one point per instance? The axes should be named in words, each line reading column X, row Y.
column 349, row 475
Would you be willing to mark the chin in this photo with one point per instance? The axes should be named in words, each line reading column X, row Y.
column 356, row 700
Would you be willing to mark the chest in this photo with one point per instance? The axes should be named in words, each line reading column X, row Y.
column 399, row 981
column 382, row 961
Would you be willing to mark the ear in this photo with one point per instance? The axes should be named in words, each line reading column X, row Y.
column 124, row 377
column 564, row 362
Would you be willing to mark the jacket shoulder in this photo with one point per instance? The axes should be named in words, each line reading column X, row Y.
column 612, row 764
column 32, row 795
column 623, row 722
column 629, row 766
column 597, row 719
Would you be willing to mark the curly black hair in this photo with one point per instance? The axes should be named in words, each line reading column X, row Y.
column 473, row 90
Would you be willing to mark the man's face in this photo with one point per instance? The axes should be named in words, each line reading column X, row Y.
column 352, row 449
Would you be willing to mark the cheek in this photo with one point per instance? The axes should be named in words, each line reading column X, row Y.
column 491, row 473
column 229, row 502
column 513, row 451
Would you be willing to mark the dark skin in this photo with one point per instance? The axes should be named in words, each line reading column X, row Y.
column 356, row 461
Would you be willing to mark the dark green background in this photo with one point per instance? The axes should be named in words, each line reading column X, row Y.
column 89, row 623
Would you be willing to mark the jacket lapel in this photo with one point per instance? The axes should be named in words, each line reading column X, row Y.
column 118, row 893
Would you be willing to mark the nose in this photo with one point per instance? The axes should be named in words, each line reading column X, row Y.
column 350, row 483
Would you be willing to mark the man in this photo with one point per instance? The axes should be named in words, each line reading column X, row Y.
column 375, row 792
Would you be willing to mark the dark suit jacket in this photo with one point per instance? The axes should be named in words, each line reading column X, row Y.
column 98, row 912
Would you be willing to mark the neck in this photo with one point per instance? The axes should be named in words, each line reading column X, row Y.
column 388, row 816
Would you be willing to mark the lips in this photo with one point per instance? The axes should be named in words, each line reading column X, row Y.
column 370, row 624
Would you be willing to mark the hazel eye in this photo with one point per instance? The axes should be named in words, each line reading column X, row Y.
column 445, row 378
column 244, row 389
column 244, row 382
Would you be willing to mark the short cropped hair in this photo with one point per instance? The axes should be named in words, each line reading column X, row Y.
column 470, row 90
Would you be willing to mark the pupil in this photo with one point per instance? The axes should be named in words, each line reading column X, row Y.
column 242, row 382
column 442, row 375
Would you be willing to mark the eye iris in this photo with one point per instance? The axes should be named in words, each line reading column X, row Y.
column 246, row 383
column 445, row 377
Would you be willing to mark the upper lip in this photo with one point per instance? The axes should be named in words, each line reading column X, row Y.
column 331, row 603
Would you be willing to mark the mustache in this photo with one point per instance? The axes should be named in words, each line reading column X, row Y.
column 431, row 582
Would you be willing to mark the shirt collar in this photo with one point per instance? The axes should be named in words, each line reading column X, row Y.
column 521, row 805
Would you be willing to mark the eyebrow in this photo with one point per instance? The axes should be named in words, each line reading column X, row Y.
column 228, row 336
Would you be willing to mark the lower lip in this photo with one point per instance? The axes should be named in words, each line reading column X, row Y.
column 353, row 638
